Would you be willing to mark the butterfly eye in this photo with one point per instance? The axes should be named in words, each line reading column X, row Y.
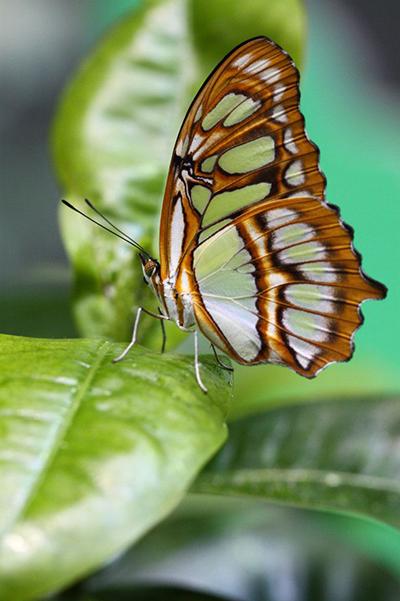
column 149, row 269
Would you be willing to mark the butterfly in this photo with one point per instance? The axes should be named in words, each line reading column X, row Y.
column 251, row 254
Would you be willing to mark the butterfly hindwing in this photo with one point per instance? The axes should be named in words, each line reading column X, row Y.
column 282, row 284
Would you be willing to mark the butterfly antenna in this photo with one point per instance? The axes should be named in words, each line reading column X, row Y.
column 91, row 205
column 123, row 237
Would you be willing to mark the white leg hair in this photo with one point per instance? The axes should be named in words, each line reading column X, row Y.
column 197, row 363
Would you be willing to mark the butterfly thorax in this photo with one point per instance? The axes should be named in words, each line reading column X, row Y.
column 177, row 303
column 174, row 293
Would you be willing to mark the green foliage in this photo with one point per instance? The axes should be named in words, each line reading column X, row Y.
column 244, row 550
column 115, row 129
column 217, row 27
column 93, row 454
column 335, row 456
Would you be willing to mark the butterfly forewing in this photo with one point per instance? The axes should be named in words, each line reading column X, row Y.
column 245, row 229
column 243, row 140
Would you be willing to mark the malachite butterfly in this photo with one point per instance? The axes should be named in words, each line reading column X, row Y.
column 251, row 254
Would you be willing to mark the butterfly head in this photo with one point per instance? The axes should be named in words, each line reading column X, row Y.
column 151, row 268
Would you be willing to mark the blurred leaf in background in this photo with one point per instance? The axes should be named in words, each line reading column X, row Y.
column 115, row 130
column 243, row 550
column 333, row 455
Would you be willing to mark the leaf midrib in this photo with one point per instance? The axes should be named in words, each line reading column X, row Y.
column 297, row 476
column 60, row 435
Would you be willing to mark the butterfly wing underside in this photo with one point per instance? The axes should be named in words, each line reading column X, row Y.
column 282, row 284
column 245, row 115
column 244, row 225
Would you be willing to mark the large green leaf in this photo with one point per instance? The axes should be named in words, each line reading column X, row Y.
column 115, row 128
column 92, row 453
column 330, row 456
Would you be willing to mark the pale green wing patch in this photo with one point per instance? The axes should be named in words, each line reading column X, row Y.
column 249, row 156
column 222, row 109
column 212, row 229
column 200, row 197
column 241, row 112
column 226, row 203
column 217, row 250
column 208, row 164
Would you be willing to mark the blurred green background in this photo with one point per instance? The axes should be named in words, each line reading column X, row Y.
column 350, row 88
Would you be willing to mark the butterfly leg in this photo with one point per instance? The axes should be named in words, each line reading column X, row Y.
column 133, row 339
column 164, row 335
column 218, row 360
column 135, row 330
column 197, row 362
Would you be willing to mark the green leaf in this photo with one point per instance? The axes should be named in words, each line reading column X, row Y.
column 220, row 26
column 93, row 454
column 336, row 457
column 242, row 549
column 114, row 132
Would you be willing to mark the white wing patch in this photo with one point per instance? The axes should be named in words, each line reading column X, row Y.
column 229, row 295
column 182, row 146
column 294, row 174
column 320, row 271
column 309, row 251
column 237, row 324
column 279, row 114
column 312, row 297
column 290, row 144
column 176, row 237
column 277, row 217
column 279, row 91
column 305, row 352
column 241, row 61
column 257, row 66
column 270, row 75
